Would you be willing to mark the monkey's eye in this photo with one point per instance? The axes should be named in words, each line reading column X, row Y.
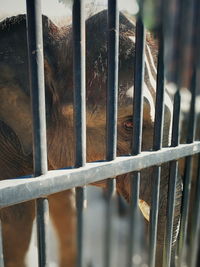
column 128, row 124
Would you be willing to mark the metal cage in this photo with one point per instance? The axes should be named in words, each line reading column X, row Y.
column 46, row 182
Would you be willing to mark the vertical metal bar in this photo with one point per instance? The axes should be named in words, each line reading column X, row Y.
column 194, row 248
column 42, row 230
column 157, row 144
column 79, row 81
column 160, row 90
column 194, row 245
column 153, row 225
column 170, row 214
column 111, row 117
column 108, row 225
column 80, row 198
column 36, row 72
column 137, row 142
column 36, row 66
column 170, row 26
column 172, row 185
column 188, row 36
column 187, row 174
column 134, row 258
column 1, row 247
column 176, row 119
column 78, row 21
column 138, row 86
column 192, row 119
column 187, row 16
column 112, row 93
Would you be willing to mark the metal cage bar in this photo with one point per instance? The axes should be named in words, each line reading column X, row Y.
column 42, row 231
column 1, row 247
column 172, row 184
column 157, row 145
column 194, row 243
column 160, row 92
column 36, row 72
column 194, row 251
column 135, row 231
column 36, row 66
column 190, row 32
column 80, row 201
column 112, row 92
column 111, row 117
column 78, row 22
column 18, row 190
column 109, row 197
column 137, row 139
column 187, row 173
column 79, row 81
column 138, row 86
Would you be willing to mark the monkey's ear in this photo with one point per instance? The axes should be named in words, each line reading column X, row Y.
column 16, row 113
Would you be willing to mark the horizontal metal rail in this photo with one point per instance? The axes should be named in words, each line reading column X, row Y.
column 18, row 190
